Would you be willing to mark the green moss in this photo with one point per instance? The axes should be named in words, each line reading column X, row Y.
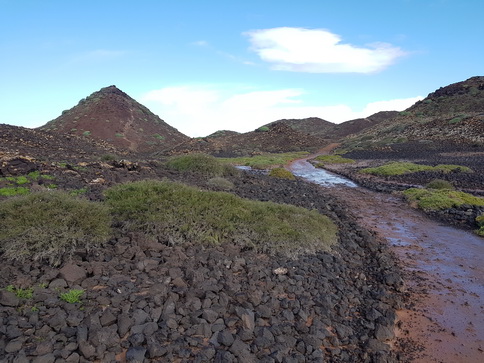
column 434, row 199
column 86, row 133
column 46, row 225
column 12, row 191
column 480, row 223
column 119, row 135
column 265, row 161
column 159, row 137
column 262, row 129
column 440, row 184
column 281, row 173
column 399, row 168
column 175, row 213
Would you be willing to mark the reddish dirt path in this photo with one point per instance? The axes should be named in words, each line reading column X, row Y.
column 444, row 275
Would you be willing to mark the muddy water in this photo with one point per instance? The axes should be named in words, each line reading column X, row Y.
column 444, row 320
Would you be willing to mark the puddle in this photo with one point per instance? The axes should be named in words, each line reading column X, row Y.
column 308, row 172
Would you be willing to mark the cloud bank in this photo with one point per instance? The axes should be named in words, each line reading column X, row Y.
column 319, row 51
column 202, row 110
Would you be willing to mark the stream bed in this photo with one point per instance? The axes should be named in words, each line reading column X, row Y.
column 442, row 265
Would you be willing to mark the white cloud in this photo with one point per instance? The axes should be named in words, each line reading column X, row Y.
column 319, row 51
column 202, row 110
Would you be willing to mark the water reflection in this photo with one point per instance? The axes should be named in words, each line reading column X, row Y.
column 307, row 171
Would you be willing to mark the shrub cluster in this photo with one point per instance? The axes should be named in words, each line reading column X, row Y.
column 265, row 161
column 480, row 223
column 439, row 199
column 175, row 213
column 440, row 184
column 204, row 164
column 45, row 225
column 281, row 173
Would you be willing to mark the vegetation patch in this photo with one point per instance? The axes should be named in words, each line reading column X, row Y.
column 201, row 163
column 21, row 293
column 332, row 159
column 281, row 173
column 480, row 223
column 440, row 184
column 175, row 213
column 220, row 183
column 439, row 199
column 262, row 129
column 12, row 191
column 265, row 161
column 399, row 168
column 72, row 296
column 46, row 225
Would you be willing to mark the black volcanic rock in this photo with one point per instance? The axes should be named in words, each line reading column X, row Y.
column 114, row 117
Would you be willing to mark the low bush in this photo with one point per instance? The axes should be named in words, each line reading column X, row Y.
column 175, row 213
column 201, row 163
column 440, row 184
column 45, row 225
column 399, row 168
column 433, row 200
column 281, row 173
column 220, row 183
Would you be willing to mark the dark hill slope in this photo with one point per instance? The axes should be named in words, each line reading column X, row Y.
column 314, row 126
column 112, row 116
column 453, row 115
column 277, row 138
column 45, row 145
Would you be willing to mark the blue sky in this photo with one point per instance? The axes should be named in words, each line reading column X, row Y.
column 208, row 65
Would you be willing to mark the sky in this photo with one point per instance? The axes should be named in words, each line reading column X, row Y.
column 208, row 65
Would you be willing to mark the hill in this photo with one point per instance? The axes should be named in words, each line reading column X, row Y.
column 114, row 117
column 278, row 137
column 453, row 114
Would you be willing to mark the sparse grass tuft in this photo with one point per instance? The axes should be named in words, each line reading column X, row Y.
column 281, row 173
column 435, row 199
column 46, row 225
column 175, row 213
column 72, row 296
column 201, row 163
column 21, row 293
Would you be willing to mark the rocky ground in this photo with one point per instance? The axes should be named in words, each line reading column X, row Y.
column 146, row 302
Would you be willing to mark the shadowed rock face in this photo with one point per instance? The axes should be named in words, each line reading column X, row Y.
column 112, row 116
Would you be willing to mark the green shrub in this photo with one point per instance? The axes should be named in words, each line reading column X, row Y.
column 435, row 199
column 86, row 133
column 333, row 159
column 175, row 213
column 448, row 168
column 220, row 183
column 440, row 184
column 159, row 137
column 281, row 173
column 46, row 225
column 201, row 163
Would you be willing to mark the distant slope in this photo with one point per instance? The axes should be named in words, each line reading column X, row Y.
column 314, row 126
column 112, row 116
column 453, row 114
column 39, row 144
